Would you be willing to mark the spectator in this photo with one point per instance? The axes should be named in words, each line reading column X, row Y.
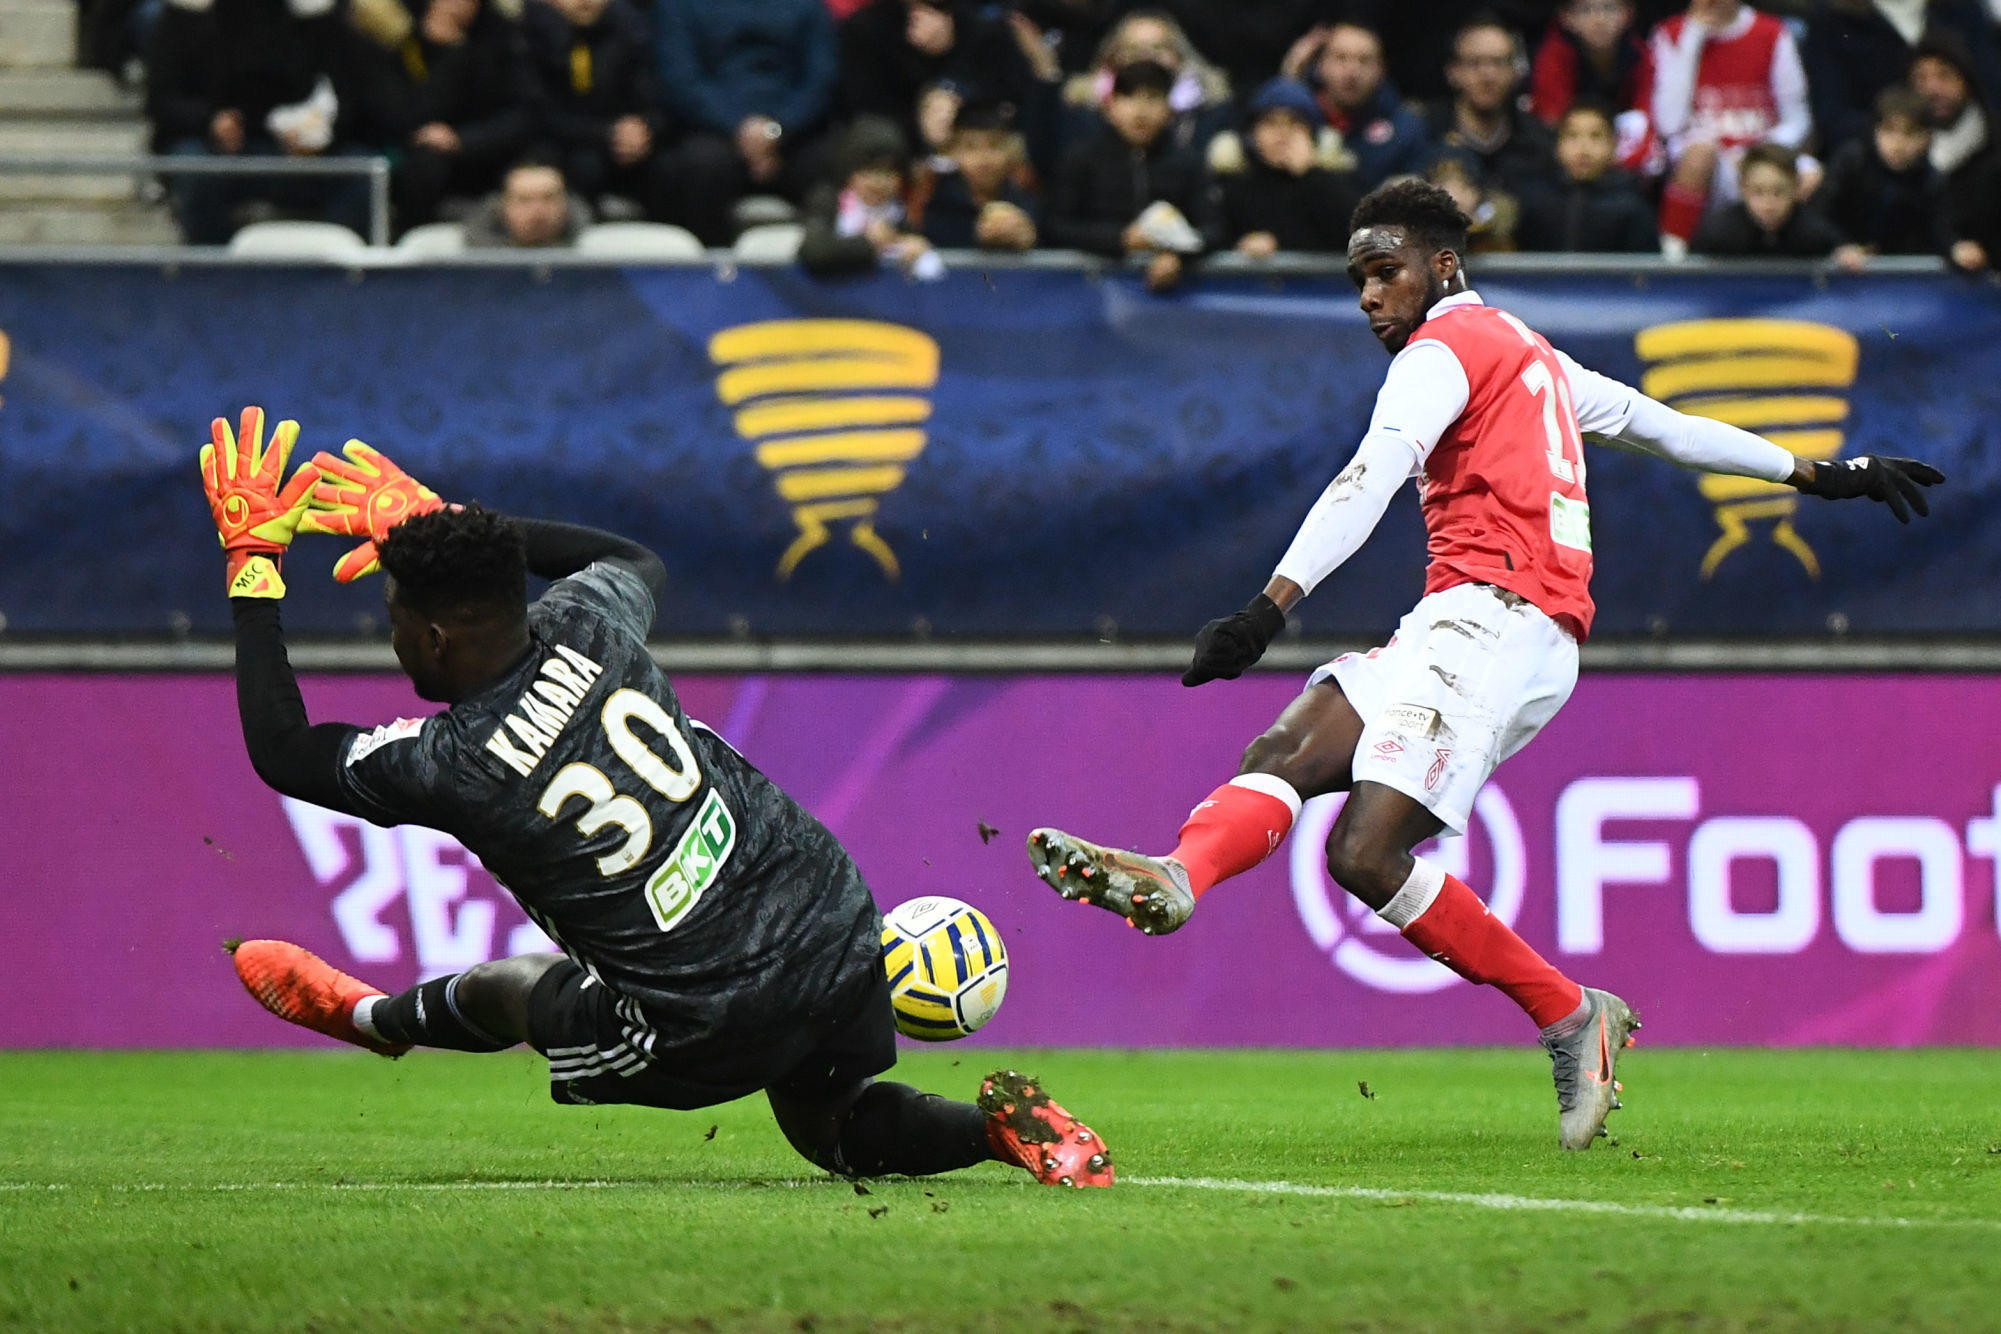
column 1069, row 30
column 893, row 49
column 858, row 219
column 1854, row 49
column 1346, row 61
column 534, row 208
column 1724, row 77
column 1590, row 53
column 253, row 78
column 1124, row 190
column 1419, row 38
column 755, row 79
column 1492, row 213
column 455, row 97
column 1058, row 116
column 1963, row 148
column 1483, row 119
column 1285, row 193
column 1591, row 206
column 1882, row 193
column 1248, row 39
column 1768, row 221
column 980, row 201
column 598, row 100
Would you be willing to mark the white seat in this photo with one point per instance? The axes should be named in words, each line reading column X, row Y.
column 639, row 240
column 774, row 243
column 762, row 210
column 297, row 240
column 433, row 239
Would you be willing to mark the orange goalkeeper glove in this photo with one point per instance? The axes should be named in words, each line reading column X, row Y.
column 363, row 495
column 255, row 517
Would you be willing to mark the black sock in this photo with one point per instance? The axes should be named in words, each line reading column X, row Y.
column 427, row 1016
column 893, row 1130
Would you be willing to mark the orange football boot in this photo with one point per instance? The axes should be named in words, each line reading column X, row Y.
column 1026, row 1128
column 302, row 988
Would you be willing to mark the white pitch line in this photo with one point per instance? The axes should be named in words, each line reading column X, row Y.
column 1470, row 1199
column 1674, row 1212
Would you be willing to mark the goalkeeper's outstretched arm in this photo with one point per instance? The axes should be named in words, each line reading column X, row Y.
column 287, row 750
column 558, row 549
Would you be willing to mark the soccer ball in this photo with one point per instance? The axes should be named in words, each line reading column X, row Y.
column 947, row 968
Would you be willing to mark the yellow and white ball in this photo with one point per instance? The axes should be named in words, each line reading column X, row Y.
column 947, row 968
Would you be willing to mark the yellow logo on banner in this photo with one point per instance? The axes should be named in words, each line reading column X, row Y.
column 6, row 355
column 819, row 400
column 1779, row 378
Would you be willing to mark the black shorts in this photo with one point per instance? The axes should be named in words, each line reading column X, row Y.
column 588, row 1033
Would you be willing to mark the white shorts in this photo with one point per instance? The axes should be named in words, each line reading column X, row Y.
column 1470, row 676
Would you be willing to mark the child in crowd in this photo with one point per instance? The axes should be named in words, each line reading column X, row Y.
column 1494, row 213
column 980, row 200
column 1130, row 189
column 1882, row 192
column 1768, row 221
column 1284, row 194
column 1592, row 205
column 858, row 221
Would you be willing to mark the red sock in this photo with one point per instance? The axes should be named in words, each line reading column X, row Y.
column 1459, row 932
column 1681, row 210
column 1237, row 826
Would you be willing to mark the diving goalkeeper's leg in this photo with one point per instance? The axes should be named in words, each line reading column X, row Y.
column 482, row 1009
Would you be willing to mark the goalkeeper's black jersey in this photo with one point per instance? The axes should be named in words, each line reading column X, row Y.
column 655, row 856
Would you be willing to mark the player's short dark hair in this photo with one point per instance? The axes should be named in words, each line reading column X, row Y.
column 1899, row 102
column 469, row 564
column 1425, row 211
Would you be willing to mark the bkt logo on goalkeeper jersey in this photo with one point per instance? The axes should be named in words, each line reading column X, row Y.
column 834, row 409
column 1783, row 379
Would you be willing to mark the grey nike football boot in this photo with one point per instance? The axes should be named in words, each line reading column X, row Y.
column 1584, row 1060
column 1150, row 892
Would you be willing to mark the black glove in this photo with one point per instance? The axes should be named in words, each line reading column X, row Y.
column 1224, row 648
column 1898, row 483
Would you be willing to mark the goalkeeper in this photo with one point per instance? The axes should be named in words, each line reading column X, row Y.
column 717, row 940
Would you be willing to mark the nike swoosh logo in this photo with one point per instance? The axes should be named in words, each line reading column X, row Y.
column 1603, row 1074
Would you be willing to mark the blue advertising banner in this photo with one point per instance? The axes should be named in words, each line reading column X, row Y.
column 1018, row 451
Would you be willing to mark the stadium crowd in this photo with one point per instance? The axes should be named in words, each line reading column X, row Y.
column 891, row 128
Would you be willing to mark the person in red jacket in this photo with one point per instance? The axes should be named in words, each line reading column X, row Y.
column 1590, row 54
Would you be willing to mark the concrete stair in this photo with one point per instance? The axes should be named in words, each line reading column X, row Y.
column 48, row 108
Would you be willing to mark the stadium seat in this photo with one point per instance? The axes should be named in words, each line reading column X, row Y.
column 432, row 240
column 297, row 240
column 639, row 240
column 762, row 211
column 774, row 243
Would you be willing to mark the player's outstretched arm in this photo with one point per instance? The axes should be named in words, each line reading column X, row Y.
column 256, row 517
column 558, row 549
column 1605, row 407
column 1423, row 393
column 1334, row 529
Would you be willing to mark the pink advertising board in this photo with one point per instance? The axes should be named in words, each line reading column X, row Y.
column 1748, row 859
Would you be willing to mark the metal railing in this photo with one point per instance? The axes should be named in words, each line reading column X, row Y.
column 376, row 169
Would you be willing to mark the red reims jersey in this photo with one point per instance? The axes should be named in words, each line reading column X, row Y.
column 1503, row 490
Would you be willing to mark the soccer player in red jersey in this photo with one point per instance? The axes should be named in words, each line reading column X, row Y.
column 1490, row 418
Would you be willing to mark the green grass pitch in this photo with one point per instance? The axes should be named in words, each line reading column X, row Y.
column 332, row 1191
